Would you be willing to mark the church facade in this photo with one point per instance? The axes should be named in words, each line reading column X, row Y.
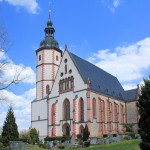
column 71, row 92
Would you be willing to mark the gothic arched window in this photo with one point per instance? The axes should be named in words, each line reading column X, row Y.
column 53, row 114
column 65, row 69
column 66, row 109
column 81, row 110
column 81, row 128
column 47, row 89
column 94, row 108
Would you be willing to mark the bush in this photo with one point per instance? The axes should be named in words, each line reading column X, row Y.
column 110, row 140
column 137, row 136
column 1, row 145
column 79, row 136
column 87, row 143
column 40, row 145
column 53, row 138
column 0, row 138
column 80, row 143
column 65, row 138
column 125, row 137
column 104, row 140
column 145, row 146
column 29, row 139
column 61, row 146
column 86, row 133
column 45, row 145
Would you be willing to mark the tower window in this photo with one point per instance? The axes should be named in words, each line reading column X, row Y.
column 47, row 89
column 57, row 58
column 39, row 57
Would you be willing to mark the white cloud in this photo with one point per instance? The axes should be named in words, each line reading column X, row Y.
column 21, row 106
column 125, row 62
column 31, row 5
column 111, row 4
column 129, row 86
column 116, row 3
column 11, row 71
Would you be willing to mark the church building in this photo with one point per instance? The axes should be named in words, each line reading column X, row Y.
column 72, row 92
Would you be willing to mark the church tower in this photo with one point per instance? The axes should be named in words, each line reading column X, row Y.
column 48, row 61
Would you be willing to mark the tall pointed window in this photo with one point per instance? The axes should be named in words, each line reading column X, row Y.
column 81, row 110
column 47, row 89
column 66, row 69
column 94, row 108
column 53, row 114
column 66, row 109
column 81, row 128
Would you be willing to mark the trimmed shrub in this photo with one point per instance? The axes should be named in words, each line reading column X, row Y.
column 61, row 146
column 1, row 145
column 137, row 136
column 125, row 137
column 79, row 136
column 87, row 143
column 86, row 133
column 45, row 145
column 53, row 138
column 65, row 138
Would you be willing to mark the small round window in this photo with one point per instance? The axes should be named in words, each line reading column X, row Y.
column 61, row 74
column 65, row 60
column 70, row 71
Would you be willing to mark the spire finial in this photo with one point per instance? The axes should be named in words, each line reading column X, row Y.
column 49, row 7
column 49, row 23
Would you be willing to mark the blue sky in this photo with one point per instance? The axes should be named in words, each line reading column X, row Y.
column 112, row 34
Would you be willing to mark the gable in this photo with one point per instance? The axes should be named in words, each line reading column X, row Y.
column 79, row 83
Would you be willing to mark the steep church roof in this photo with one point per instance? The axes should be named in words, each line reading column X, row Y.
column 130, row 95
column 101, row 81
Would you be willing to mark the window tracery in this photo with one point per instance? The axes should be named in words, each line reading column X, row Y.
column 66, row 84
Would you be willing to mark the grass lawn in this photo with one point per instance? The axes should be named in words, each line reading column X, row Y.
column 121, row 145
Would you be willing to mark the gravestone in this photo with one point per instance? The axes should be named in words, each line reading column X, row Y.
column 100, row 141
column 72, row 141
column 117, row 138
column 93, row 141
column 66, row 145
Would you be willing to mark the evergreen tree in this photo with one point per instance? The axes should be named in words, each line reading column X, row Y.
column 34, row 136
column 86, row 133
column 144, row 111
column 10, row 128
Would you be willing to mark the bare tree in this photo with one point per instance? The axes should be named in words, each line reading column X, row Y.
column 5, row 46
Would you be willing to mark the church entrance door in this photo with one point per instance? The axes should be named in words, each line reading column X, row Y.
column 66, row 129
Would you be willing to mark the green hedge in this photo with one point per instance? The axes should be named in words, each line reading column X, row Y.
column 58, row 138
column 1, row 145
